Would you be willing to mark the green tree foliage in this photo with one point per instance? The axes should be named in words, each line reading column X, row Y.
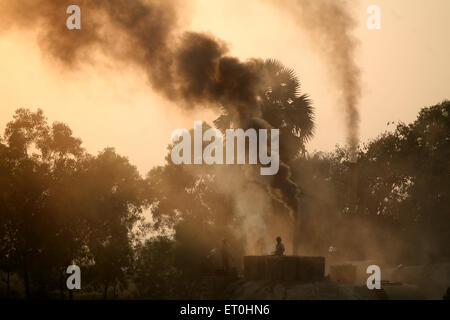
column 110, row 192
column 199, row 215
column 60, row 205
column 402, row 194
column 405, row 178
column 155, row 274
column 281, row 105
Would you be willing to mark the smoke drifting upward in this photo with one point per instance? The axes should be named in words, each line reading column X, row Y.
column 329, row 25
column 188, row 68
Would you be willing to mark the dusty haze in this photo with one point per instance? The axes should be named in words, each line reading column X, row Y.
column 406, row 60
column 329, row 25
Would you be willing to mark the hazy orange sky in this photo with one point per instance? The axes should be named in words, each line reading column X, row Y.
column 405, row 66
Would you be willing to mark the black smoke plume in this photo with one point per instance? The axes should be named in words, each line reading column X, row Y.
column 329, row 24
column 188, row 68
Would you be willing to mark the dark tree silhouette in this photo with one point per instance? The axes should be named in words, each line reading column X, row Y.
column 60, row 205
column 282, row 106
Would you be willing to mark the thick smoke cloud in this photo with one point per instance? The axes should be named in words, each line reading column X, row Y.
column 188, row 68
column 329, row 25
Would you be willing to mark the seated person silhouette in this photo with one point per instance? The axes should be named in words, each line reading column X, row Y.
column 279, row 248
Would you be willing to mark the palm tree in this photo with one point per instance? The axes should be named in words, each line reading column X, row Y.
column 282, row 106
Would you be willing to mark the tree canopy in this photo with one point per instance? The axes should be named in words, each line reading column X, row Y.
column 157, row 236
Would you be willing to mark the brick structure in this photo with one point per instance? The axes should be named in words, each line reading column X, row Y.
column 284, row 268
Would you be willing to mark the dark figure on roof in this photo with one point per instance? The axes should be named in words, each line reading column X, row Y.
column 279, row 248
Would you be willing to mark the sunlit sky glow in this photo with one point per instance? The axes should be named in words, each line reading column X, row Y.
column 405, row 66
